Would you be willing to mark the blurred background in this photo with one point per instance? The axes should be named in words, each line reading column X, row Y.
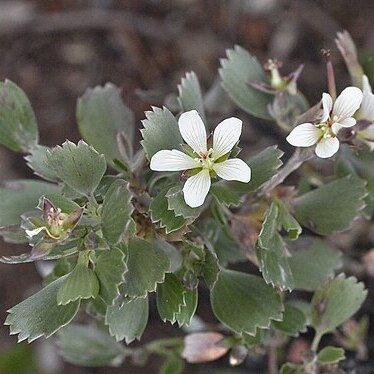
column 55, row 49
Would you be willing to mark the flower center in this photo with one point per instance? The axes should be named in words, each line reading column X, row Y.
column 206, row 160
column 326, row 129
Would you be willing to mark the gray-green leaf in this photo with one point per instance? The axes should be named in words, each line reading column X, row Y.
column 190, row 96
column 87, row 346
column 146, row 267
column 39, row 315
column 79, row 166
column 244, row 302
column 237, row 70
column 101, row 115
column 160, row 131
column 116, row 212
column 331, row 207
column 18, row 126
column 129, row 320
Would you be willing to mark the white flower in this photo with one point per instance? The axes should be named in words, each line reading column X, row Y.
column 208, row 162
column 366, row 113
column 335, row 116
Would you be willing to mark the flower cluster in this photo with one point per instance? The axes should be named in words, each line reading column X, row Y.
column 204, row 162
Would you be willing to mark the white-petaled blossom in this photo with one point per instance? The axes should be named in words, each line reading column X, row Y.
column 207, row 162
column 335, row 116
column 366, row 113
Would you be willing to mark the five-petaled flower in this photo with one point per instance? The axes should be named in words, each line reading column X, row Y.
column 204, row 162
column 335, row 116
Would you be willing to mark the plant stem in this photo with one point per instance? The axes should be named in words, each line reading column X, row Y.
column 272, row 360
column 316, row 340
column 297, row 159
column 162, row 346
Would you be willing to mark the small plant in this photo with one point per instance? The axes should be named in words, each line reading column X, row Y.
column 126, row 225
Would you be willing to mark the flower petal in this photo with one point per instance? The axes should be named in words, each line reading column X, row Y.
column 173, row 160
column 346, row 122
column 193, row 132
column 347, row 103
column 327, row 106
column 196, row 188
column 32, row 233
column 327, row 147
column 367, row 105
column 304, row 135
column 226, row 135
column 233, row 169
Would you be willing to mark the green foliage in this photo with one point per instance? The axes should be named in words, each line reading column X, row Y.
column 101, row 115
column 331, row 355
column 244, row 302
column 110, row 269
column 331, row 207
column 170, row 298
column 18, row 359
column 335, row 302
column 78, row 166
column 81, row 283
column 160, row 213
column 177, row 204
column 127, row 321
column 116, row 211
column 160, row 131
column 187, row 310
column 88, row 346
column 237, row 70
column 190, row 96
column 172, row 365
column 146, row 267
column 294, row 321
column 36, row 161
column 18, row 126
column 40, row 315
column 312, row 266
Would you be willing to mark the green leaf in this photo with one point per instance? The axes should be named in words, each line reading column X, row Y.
column 288, row 222
column 331, row 207
column 190, row 96
column 129, row 320
column 170, row 298
column 160, row 213
column 336, row 302
column 18, row 126
column 237, row 70
column 172, row 365
column 146, row 267
column 116, row 211
column 188, row 310
column 224, row 194
column 39, row 315
column 264, row 166
column 211, row 268
column 101, row 115
column 269, row 228
column 244, row 302
column 160, row 131
column 19, row 359
column 81, row 283
column 110, row 269
column 289, row 368
column 88, row 346
column 274, row 264
column 177, row 204
column 294, row 321
column 36, row 161
column 79, row 166
column 171, row 251
column 312, row 266
column 331, row 355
